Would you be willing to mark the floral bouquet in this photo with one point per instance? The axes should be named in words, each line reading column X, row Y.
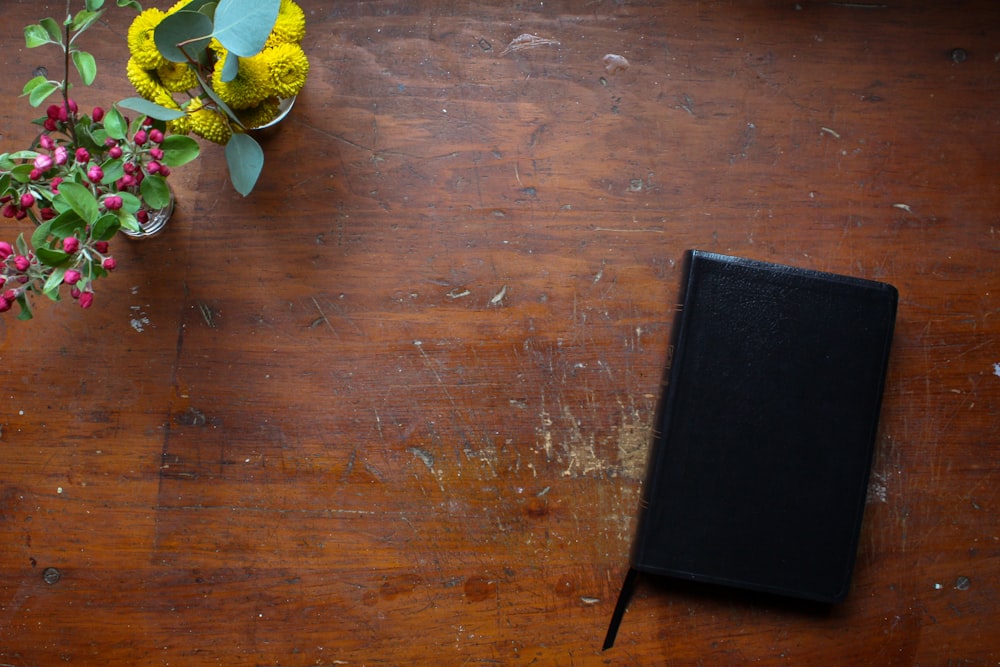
column 83, row 179
column 218, row 70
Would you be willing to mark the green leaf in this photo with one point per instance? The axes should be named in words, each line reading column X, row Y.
column 41, row 93
column 54, row 281
column 80, row 199
column 151, row 109
column 53, row 29
column 155, row 191
column 36, row 35
column 130, row 3
column 22, row 301
column 230, row 68
column 33, row 83
column 192, row 30
column 83, row 20
column 105, row 228
column 245, row 158
column 243, row 26
column 114, row 124
column 94, row 5
column 113, row 170
column 51, row 257
column 86, row 65
column 130, row 203
column 179, row 150
column 41, row 234
column 65, row 224
column 129, row 223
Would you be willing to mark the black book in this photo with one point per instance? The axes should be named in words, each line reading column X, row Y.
column 758, row 469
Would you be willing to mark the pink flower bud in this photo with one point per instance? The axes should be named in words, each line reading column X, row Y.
column 153, row 167
column 22, row 263
column 43, row 162
column 6, row 250
column 75, row 292
column 115, row 152
column 71, row 103
column 95, row 174
column 54, row 184
column 47, row 212
column 164, row 170
column 27, row 200
column 52, row 111
column 156, row 153
column 71, row 244
column 86, row 299
column 129, row 167
column 46, row 142
column 140, row 137
column 101, row 246
column 4, row 305
column 155, row 136
column 63, row 114
column 20, row 214
column 109, row 263
column 10, row 295
column 98, row 114
column 142, row 215
column 9, row 211
column 113, row 202
column 72, row 277
column 50, row 125
column 35, row 174
column 82, row 155
column 61, row 155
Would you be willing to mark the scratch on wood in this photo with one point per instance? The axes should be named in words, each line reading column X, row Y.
column 499, row 296
column 207, row 314
column 832, row 133
column 527, row 41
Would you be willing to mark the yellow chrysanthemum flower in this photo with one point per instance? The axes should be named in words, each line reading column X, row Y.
column 209, row 123
column 288, row 67
column 251, row 85
column 259, row 115
column 140, row 39
column 181, row 4
column 290, row 26
column 177, row 77
column 145, row 81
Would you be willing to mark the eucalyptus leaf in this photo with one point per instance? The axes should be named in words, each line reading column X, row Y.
column 243, row 26
column 187, row 29
column 80, row 199
column 245, row 159
column 231, row 67
column 155, row 191
column 86, row 65
column 178, row 150
column 151, row 109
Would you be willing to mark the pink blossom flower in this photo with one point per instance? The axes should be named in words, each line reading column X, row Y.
column 86, row 299
column 61, row 155
column 6, row 250
column 72, row 277
column 95, row 174
column 43, row 162
column 71, row 244
column 109, row 263
column 22, row 263
column 112, row 202
column 27, row 200
column 82, row 155
column 115, row 152
column 46, row 142
column 155, row 136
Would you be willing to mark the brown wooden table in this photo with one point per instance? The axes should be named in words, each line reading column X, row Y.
column 394, row 407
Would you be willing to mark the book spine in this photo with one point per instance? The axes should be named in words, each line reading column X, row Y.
column 661, row 419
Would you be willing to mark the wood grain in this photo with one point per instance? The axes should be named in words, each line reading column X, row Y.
column 394, row 407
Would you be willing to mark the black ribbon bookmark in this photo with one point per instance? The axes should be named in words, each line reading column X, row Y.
column 628, row 587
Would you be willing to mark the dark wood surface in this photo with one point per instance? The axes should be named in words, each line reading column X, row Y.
column 394, row 407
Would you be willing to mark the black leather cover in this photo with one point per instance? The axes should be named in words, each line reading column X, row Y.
column 759, row 467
